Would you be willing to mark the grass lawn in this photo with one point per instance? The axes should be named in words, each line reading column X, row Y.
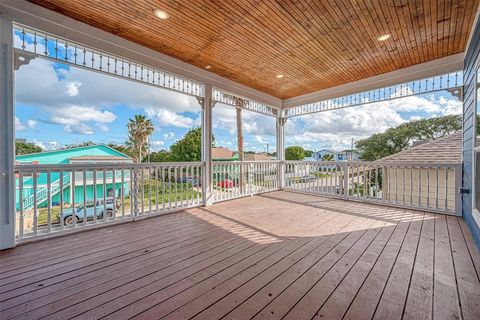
column 164, row 194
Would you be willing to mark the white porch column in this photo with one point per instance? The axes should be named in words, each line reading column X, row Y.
column 7, row 137
column 281, row 150
column 207, row 106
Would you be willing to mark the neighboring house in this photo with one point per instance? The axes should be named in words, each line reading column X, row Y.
column 87, row 155
column 223, row 154
column 221, row 173
column 346, row 155
column 443, row 150
column 257, row 157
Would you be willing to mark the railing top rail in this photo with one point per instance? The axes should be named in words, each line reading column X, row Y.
column 245, row 162
column 103, row 165
column 379, row 163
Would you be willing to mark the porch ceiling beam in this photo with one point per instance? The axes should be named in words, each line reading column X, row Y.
column 437, row 67
column 48, row 21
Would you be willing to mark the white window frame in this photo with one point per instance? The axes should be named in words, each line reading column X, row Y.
column 475, row 149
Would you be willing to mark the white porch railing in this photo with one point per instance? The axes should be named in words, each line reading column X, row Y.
column 431, row 187
column 54, row 199
column 238, row 179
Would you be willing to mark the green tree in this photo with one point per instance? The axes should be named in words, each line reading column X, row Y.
column 308, row 153
column 328, row 157
column 122, row 148
column 478, row 124
column 26, row 148
column 401, row 137
column 294, row 153
column 79, row 145
column 161, row 156
column 139, row 130
column 189, row 148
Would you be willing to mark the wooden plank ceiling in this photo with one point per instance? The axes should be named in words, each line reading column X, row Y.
column 314, row 44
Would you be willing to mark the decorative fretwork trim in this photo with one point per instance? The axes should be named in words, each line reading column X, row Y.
column 42, row 44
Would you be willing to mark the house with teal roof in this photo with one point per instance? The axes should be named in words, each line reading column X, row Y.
column 63, row 185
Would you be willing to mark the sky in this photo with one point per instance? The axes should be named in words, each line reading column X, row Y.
column 57, row 104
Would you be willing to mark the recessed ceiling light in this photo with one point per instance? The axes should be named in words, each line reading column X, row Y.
column 208, row 67
column 279, row 76
column 162, row 14
column 384, row 37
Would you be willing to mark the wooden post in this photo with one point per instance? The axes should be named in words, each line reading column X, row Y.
column 207, row 107
column 281, row 151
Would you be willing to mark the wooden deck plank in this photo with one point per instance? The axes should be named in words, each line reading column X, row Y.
column 92, row 256
column 467, row 280
column 72, row 277
column 147, row 232
column 110, row 278
column 282, row 304
column 276, row 255
column 392, row 302
column 472, row 249
column 69, row 247
column 168, row 257
column 38, row 249
column 364, row 304
column 112, row 291
column 338, row 302
column 263, row 296
column 446, row 304
column 160, row 241
column 235, row 280
column 143, row 292
column 240, row 294
column 420, row 294
column 326, row 285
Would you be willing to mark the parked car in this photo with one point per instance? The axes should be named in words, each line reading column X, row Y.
column 191, row 180
column 226, row 183
column 308, row 178
column 101, row 209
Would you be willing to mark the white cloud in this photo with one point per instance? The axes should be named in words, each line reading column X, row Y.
column 157, row 145
column 86, row 88
column 335, row 129
column 80, row 128
column 74, row 114
column 32, row 123
column 256, row 124
column 170, row 118
column 70, row 96
column 72, row 88
column 20, row 126
column 102, row 127
column 50, row 145
column 168, row 136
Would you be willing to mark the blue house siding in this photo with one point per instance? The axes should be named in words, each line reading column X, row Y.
column 469, row 116
column 65, row 156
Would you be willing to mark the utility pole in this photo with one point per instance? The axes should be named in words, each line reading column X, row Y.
column 351, row 152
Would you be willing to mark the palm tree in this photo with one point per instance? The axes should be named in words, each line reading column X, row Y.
column 139, row 130
column 239, row 106
column 328, row 157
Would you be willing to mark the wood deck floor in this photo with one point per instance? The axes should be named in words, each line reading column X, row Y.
column 280, row 255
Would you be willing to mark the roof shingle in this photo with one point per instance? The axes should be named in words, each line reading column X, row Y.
column 447, row 149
